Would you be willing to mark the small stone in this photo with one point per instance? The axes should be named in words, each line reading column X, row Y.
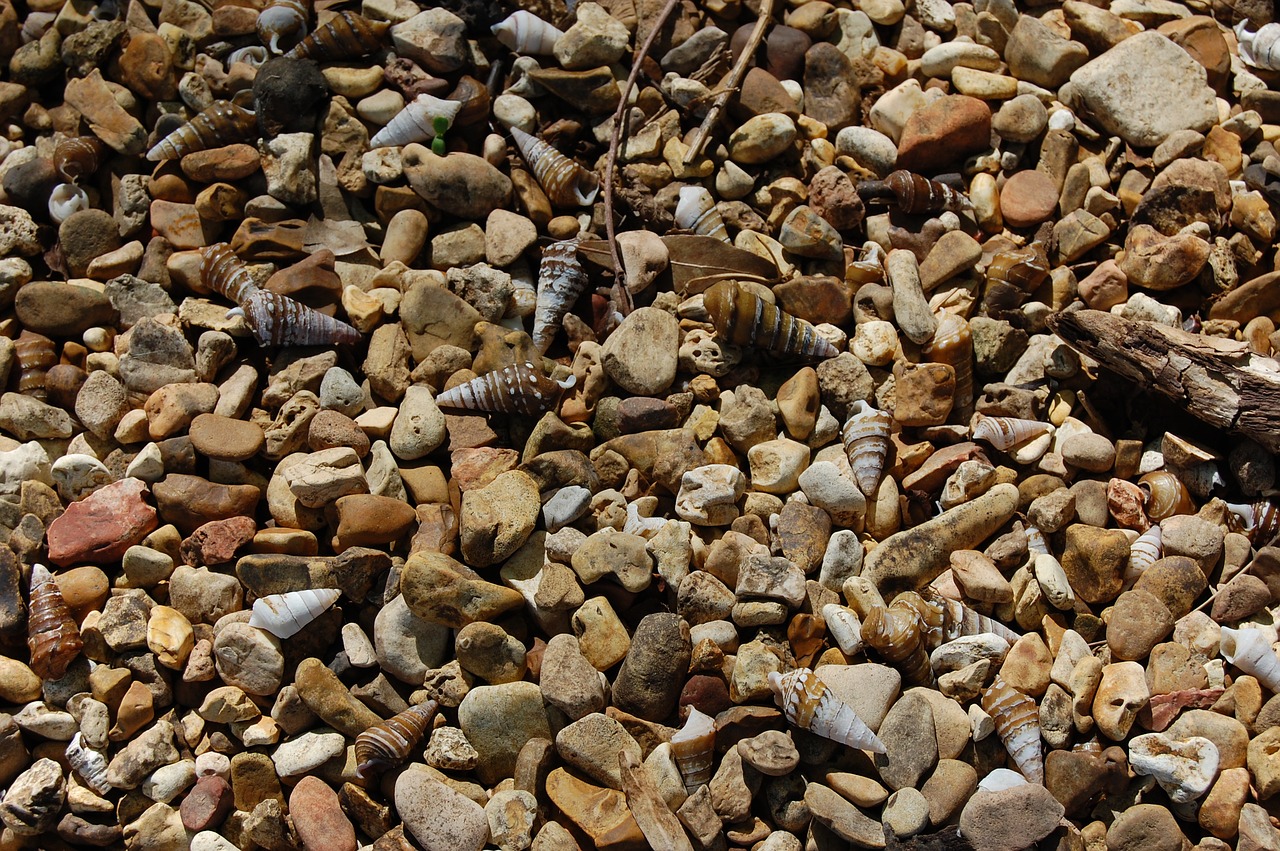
column 102, row 526
column 911, row 749
column 498, row 518
column 1028, row 198
column 944, row 132
column 1144, row 826
column 435, row 39
column 498, row 720
column 1010, row 819
column 842, row 818
column 1094, row 560
column 761, row 138
column 460, row 184
column 436, row 589
column 419, row 426
column 640, row 354
column 439, row 817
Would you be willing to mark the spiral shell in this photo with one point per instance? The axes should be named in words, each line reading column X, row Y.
column 952, row 344
column 416, row 122
column 696, row 211
column 807, row 703
column 282, row 19
column 277, row 320
column 1262, row 48
column 897, row 634
column 285, row 615
column 1007, row 432
column 224, row 273
column 1250, row 650
column 866, row 442
column 914, row 194
column 1142, row 554
column 346, row 35
column 473, row 97
column 66, row 199
column 223, row 123
column 77, row 157
column 517, row 389
column 845, row 627
column 1017, row 722
column 389, row 742
column 90, row 764
column 694, row 749
column 1259, row 520
column 35, row 354
column 745, row 319
column 566, row 183
column 253, row 55
column 524, row 32
column 1166, row 495
column 1024, row 268
column 52, row 635
column 561, row 280
column 944, row 619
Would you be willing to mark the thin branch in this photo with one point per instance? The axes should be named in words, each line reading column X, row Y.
column 732, row 83
column 621, row 295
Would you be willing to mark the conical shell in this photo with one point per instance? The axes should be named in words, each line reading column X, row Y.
column 345, row 36
column 1143, row 553
column 845, row 627
column 745, row 319
column 221, row 124
column 90, row 764
column 285, row 615
column 524, row 32
column 807, row 703
column 952, row 344
column 66, row 199
column 696, row 211
column 224, row 273
column 416, row 122
column 897, row 634
column 52, row 635
column 1023, row 268
column 1017, row 722
column 389, row 742
column 282, row 20
column 1259, row 520
column 566, row 183
column 1166, row 495
column 1262, row 48
column 944, row 619
column 35, row 354
column 561, row 280
column 1250, row 650
column 915, row 194
column 866, row 442
column 77, row 157
column 694, row 749
column 1007, row 432
column 517, row 389
column 278, row 320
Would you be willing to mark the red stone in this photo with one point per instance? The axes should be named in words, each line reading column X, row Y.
column 99, row 528
column 216, row 542
column 208, row 803
column 944, row 133
column 317, row 816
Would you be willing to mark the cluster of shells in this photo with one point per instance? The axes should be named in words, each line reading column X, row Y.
column 666, row 396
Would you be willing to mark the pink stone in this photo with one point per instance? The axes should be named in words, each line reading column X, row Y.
column 1105, row 287
column 216, row 542
column 179, row 223
column 318, row 817
column 207, row 804
column 99, row 528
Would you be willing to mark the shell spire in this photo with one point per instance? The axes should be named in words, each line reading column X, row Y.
column 1143, row 553
column 566, row 183
column 278, row 320
column 1250, row 650
column 225, row 273
column 1007, row 432
column 417, row 121
column 223, row 123
column 517, row 389
column 696, row 211
column 89, row 763
column 946, row 620
column 1260, row 49
column 1017, row 722
column 346, row 35
column 285, row 615
column 77, row 157
column 561, row 280
column 524, row 32
column 282, row 19
column 807, row 703
column 866, row 442
column 745, row 319
column 897, row 633
column 52, row 634
column 914, row 194
column 694, row 748
column 389, row 742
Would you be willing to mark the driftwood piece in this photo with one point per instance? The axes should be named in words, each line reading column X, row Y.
column 1217, row 380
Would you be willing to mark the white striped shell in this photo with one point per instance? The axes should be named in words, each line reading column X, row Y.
column 845, row 627
column 1007, row 432
column 90, row 764
column 561, row 279
column 866, row 441
column 694, row 749
column 1017, row 721
column 1260, row 49
column 1143, row 553
column 806, row 702
column 696, row 211
column 416, row 122
column 285, row 615
column 566, row 183
column 524, row 32
column 66, row 198
column 1250, row 650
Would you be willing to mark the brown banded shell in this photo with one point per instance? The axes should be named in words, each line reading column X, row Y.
column 694, row 749
column 1024, row 268
column 283, row 20
column 278, row 320
column 387, row 744
column 807, row 703
column 1166, row 495
column 517, row 389
column 1017, row 722
column 225, row 273
column 952, row 344
column 914, row 194
column 52, row 635
column 474, row 97
column 346, row 35
column 897, row 634
column 1007, row 432
column 1259, row 521
column 745, row 319
column 35, row 354
column 561, row 280
column 77, row 157
column 566, row 183
column 866, row 442
column 223, row 123
column 946, row 620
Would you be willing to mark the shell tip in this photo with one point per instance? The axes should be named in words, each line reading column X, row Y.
column 568, row 383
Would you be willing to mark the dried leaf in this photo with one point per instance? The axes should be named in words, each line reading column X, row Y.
column 340, row 237
column 707, row 260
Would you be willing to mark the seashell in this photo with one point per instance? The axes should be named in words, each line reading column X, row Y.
column 944, row 619
column 1024, row 268
column 807, row 703
column 66, row 199
column 277, row 320
column 1262, row 48
column 389, row 742
column 1259, row 520
column 253, row 55
column 524, row 32
column 517, row 389
column 346, row 35
column 694, row 749
column 696, row 211
column 914, row 194
column 566, row 183
column 473, row 96
column 52, row 635
column 1000, row 779
column 1017, row 721
column 1142, row 554
column 282, row 19
column 866, row 442
column 77, row 157
column 952, row 344
column 224, row 273
column 1007, row 432
column 1166, row 495
column 897, row 634
column 223, row 123
column 416, row 122
column 1250, row 650
column 845, row 627
column 35, row 353
column 561, row 280
column 285, row 615
column 90, row 764
column 745, row 319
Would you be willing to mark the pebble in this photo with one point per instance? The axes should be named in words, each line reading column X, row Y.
column 438, row 816
column 1011, row 818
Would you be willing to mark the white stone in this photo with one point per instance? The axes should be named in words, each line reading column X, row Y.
column 169, row 781
column 776, row 465
column 568, row 504
column 299, row 757
column 77, row 476
column 709, row 494
column 825, row 487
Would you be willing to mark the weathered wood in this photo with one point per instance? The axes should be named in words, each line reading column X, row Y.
column 1217, row 380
